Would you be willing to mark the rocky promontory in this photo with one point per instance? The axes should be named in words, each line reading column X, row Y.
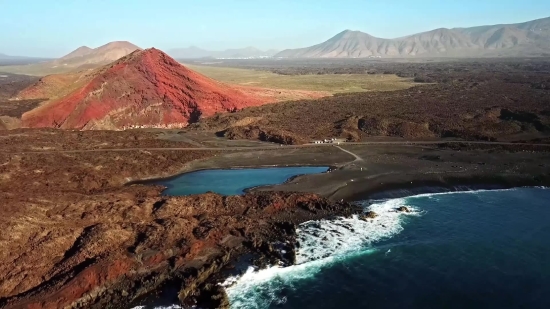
column 131, row 248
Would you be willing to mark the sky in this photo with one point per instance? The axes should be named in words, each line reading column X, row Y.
column 53, row 28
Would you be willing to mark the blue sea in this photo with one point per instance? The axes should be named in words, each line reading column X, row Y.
column 470, row 249
column 477, row 249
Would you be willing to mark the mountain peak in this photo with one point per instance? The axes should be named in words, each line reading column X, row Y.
column 79, row 52
column 351, row 34
column 152, row 55
column 118, row 45
column 144, row 88
column 101, row 55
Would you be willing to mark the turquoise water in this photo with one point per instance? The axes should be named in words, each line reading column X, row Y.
column 479, row 249
column 232, row 181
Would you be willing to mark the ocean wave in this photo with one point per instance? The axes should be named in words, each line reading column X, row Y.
column 324, row 238
column 321, row 244
column 260, row 289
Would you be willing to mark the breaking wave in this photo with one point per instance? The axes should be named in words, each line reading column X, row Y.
column 321, row 244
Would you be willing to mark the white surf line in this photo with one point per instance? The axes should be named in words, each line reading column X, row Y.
column 357, row 158
column 321, row 243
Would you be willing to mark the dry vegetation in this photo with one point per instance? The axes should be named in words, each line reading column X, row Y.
column 11, row 84
column 491, row 101
column 10, row 111
column 28, row 140
column 263, row 134
column 37, row 69
column 31, row 159
column 342, row 83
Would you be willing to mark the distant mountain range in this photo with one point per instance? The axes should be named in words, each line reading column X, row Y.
column 194, row 52
column 525, row 39
column 506, row 40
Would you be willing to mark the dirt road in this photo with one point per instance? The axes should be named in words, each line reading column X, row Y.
column 357, row 158
column 279, row 147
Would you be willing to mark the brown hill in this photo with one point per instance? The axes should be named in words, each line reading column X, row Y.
column 80, row 59
column 79, row 52
column 101, row 55
column 525, row 39
column 145, row 88
column 435, row 42
column 346, row 44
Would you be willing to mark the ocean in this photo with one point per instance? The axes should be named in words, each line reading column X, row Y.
column 476, row 249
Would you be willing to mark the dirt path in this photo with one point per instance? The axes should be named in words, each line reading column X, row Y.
column 357, row 158
column 404, row 143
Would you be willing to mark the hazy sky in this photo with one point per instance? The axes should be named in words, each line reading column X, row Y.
column 52, row 28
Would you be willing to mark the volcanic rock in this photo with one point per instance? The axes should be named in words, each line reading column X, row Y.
column 112, row 248
column 369, row 215
column 265, row 134
column 146, row 88
column 403, row 209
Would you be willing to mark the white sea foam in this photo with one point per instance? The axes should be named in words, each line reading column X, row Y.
column 321, row 244
column 460, row 192
column 324, row 238
column 260, row 289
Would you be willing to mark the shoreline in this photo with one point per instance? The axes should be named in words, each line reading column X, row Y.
column 385, row 168
column 289, row 180
column 423, row 185
column 386, row 186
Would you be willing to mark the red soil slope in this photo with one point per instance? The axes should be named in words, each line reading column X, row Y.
column 145, row 88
